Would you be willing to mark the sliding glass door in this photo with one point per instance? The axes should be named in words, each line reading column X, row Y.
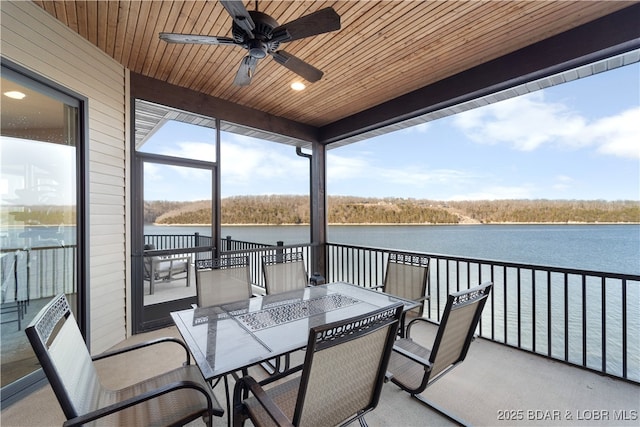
column 41, row 254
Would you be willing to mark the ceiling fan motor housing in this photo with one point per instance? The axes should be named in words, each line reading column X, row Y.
column 263, row 31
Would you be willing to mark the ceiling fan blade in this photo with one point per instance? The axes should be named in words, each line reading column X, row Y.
column 246, row 71
column 298, row 66
column 195, row 39
column 322, row 21
column 240, row 15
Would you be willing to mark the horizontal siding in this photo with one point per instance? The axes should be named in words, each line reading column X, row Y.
column 36, row 41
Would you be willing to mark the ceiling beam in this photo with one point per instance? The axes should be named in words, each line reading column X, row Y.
column 608, row 36
column 160, row 92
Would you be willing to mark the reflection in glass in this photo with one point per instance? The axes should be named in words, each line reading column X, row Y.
column 38, row 233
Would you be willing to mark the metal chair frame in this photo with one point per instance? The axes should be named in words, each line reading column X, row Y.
column 455, row 333
column 310, row 399
column 55, row 326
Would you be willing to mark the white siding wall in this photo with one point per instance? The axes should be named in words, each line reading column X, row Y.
column 38, row 42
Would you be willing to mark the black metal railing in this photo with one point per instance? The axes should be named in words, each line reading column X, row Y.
column 585, row 318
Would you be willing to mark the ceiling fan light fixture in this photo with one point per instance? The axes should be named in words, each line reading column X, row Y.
column 298, row 86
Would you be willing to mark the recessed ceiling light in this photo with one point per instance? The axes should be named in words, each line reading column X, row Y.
column 15, row 94
column 297, row 86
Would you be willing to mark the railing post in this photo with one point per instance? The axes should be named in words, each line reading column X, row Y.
column 229, row 243
column 279, row 252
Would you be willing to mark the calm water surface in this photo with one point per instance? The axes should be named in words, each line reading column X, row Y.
column 610, row 248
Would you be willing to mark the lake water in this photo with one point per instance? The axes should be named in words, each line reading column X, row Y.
column 609, row 248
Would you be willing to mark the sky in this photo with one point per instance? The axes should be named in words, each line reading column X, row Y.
column 575, row 141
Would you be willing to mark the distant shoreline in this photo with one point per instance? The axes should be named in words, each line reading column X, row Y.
column 402, row 224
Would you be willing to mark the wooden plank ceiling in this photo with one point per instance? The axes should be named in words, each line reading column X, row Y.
column 385, row 49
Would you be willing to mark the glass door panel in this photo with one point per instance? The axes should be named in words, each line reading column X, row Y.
column 177, row 213
column 38, row 212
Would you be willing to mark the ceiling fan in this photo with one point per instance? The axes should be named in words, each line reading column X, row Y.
column 261, row 35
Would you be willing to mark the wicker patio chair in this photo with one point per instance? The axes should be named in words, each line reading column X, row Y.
column 284, row 272
column 173, row 398
column 224, row 280
column 406, row 277
column 413, row 367
column 341, row 380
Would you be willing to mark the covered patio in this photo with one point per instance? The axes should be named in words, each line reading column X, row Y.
column 392, row 65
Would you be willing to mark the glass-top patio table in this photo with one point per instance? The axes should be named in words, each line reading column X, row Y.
column 226, row 338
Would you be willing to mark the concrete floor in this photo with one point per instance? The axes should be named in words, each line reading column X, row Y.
column 495, row 386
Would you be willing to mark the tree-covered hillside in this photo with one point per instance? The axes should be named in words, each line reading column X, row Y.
column 357, row 210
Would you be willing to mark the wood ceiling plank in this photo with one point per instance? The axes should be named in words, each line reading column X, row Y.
column 138, row 48
column 92, row 22
column 102, row 17
column 160, row 58
column 157, row 17
column 120, row 30
column 130, row 32
column 176, row 57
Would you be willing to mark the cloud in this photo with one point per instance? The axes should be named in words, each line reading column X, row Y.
column 252, row 166
column 382, row 181
column 618, row 135
column 528, row 122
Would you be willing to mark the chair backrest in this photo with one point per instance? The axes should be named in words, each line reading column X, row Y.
column 406, row 276
column 459, row 321
column 345, row 366
column 225, row 280
column 65, row 359
column 284, row 272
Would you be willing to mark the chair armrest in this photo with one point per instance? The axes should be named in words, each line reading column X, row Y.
column 142, row 345
column 263, row 398
column 143, row 397
column 406, row 353
column 414, row 321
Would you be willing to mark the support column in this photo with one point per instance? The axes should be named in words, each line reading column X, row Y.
column 318, row 211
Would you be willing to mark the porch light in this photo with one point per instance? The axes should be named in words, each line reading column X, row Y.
column 298, row 86
column 14, row 94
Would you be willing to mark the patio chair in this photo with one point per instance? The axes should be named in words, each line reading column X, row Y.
column 227, row 279
column 173, row 398
column 284, row 272
column 164, row 268
column 413, row 367
column 341, row 379
column 406, row 277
